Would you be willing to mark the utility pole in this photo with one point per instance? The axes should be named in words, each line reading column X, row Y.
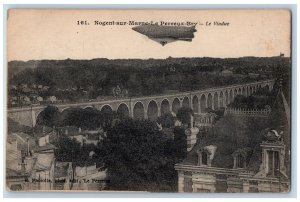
column 279, row 177
column 23, row 164
column 33, row 132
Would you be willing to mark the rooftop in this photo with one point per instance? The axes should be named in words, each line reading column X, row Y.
column 41, row 131
column 232, row 135
column 44, row 162
column 21, row 139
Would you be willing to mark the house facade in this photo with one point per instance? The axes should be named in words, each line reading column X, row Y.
column 199, row 173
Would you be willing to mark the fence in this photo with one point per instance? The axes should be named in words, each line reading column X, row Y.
column 247, row 112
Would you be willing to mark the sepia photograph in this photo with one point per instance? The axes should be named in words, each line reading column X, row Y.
column 162, row 101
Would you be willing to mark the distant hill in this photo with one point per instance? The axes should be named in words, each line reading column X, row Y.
column 144, row 76
column 15, row 67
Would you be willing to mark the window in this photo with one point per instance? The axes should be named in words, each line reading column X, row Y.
column 188, row 184
column 273, row 163
column 203, row 190
column 221, row 184
column 253, row 187
column 240, row 161
column 204, row 158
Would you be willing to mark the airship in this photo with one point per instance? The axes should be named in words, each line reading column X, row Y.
column 166, row 34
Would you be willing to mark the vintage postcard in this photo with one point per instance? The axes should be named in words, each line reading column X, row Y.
column 148, row 100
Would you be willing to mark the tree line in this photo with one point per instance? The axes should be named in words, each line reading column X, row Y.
column 139, row 77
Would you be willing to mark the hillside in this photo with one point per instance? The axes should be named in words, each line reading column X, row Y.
column 71, row 80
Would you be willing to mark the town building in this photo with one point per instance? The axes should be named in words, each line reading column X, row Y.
column 82, row 136
column 204, row 120
column 30, row 159
column 63, row 175
column 89, row 178
column 226, row 72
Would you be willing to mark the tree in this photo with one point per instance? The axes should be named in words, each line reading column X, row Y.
column 184, row 115
column 89, row 118
column 70, row 150
column 166, row 120
column 49, row 117
column 180, row 142
column 67, row 149
column 138, row 157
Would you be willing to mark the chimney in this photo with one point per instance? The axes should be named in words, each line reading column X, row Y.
column 191, row 135
column 79, row 129
column 192, row 121
column 28, row 149
column 23, row 166
column 66, row 132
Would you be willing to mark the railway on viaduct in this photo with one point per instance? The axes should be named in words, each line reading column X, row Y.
column 154, row 106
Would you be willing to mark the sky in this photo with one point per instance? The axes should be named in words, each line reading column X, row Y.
column 55, row 34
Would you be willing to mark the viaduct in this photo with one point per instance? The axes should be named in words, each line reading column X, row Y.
column 152, row 106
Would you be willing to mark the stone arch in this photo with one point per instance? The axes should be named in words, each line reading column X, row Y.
column 247, row 91
column 203, row 103
column 175, row 105
column 195, row 102
column 240, row 91
column 186, row 102
column 267, row 87
column 209, row 101
column 37, row 113
column 63, row 109
column 34, row 120
column 243, row 91
column 251, row 90
column 88, row 106
column 152, row 110
column 235, row 93
column 226, row 99
column 216, row 101
column 221, row 99
column 91, row 109
column 67, row 114
column 165, row 107
column 138, row 110
column 123, row 110
column 106, row 108
column 231, row 96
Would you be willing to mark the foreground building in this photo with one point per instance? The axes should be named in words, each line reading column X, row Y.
column 208, row 169
column 30, row 162
column 221, row 165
